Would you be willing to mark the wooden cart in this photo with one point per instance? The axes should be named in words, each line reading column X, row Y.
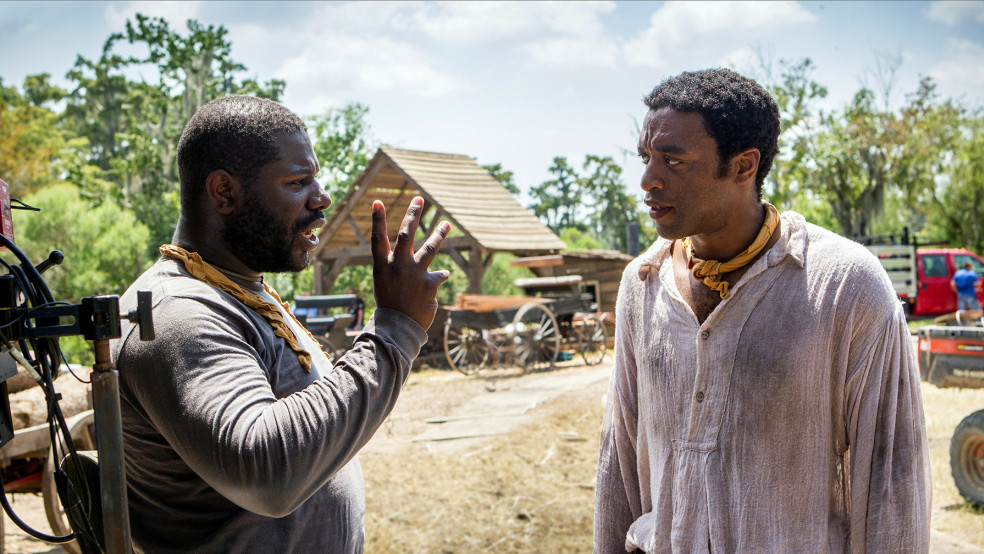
column 532, row 331
column 331, row 331
column 28, row 467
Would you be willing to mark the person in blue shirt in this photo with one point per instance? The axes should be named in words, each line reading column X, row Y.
column 304, row 313
column 964, row 283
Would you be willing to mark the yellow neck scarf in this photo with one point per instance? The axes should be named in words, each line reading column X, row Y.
column 201, row 270
column 709, row 271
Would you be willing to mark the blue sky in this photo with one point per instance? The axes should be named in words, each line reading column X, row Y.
column 518, row 83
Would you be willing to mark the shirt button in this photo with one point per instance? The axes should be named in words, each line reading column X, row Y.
column 704, row 334
column 700, row 397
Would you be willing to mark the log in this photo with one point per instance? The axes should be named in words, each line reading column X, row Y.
column 28, row 407
column 967, row 317
column 487, row 303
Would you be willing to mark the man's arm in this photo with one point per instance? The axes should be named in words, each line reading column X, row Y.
column 889, row 454
column 617, row 483
column 206, row 389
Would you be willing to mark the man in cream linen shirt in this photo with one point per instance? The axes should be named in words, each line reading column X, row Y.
column 765, row 396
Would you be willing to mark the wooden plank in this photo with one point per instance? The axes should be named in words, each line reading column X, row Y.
column 538, row 261
column 489, row 303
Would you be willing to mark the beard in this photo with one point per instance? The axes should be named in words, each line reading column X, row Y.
column 264, row 242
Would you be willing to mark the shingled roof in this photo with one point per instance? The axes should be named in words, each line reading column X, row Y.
column 484, row 216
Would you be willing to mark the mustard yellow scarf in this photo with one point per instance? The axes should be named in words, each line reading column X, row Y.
column 201, row 270
column 709, row 271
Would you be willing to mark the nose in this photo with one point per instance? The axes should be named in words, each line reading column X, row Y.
column 321, row 200
column 652, row 177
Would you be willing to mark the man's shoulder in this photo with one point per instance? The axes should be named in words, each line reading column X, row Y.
column 167, row 280
column 826, row 247
column 181, row 304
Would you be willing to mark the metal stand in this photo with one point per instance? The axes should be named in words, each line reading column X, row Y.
column 109, row 442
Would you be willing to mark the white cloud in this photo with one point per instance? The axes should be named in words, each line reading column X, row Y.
column 176, row 13
column 343, row 52
column 551, row 33
column 679, row 26
column 357, row 65
column 960, row 69
column 597, row 51
column 953, row 13
column 489, row 21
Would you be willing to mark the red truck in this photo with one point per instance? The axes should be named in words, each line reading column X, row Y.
column 922, row 275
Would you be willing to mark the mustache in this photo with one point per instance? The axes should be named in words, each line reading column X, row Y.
column 318, row 215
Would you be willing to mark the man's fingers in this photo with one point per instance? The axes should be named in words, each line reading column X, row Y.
column 404, row 240
column 425, row 255
column 378, row 241
column 442, row 276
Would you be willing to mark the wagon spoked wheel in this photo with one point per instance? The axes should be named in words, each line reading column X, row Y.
column 466, row 348
column 535, row 337
column 967, row 458
column 83, row 432
column 593, row 340
column 327, row 347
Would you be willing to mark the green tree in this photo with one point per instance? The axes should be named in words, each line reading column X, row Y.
column 504, row 177
column 132, row 126
column 343, row 145
column 610, row 208
column 577, row 240
column 104, row 246
column 593, row 201
column 557, row 201
column 32, row 143
column 796, row 94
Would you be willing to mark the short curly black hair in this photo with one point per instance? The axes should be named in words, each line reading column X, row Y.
column 235, row 133
column 738, row 113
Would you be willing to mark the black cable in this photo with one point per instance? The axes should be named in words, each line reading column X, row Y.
column 25, row 527
column 47, row 354
column 28, row 267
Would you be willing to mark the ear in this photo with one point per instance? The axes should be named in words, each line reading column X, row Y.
column 223, row 191
column 747, row 164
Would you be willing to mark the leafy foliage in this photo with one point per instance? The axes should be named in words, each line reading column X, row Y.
column 594, row 201
column 132, row 126
column 343, row 145
column 504, row 177
column 104, row 246
column 32, row 144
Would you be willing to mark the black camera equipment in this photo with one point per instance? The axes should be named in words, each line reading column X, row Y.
column 31, row 322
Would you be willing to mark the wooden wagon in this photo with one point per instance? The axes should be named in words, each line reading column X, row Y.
column 28, row 466
column 556, row 315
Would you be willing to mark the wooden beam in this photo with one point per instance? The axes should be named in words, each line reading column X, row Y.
column 364, row 250
column 456, row 257
column 351, row 199
column 329, row 277
column 319, row 269
column 487, row 261
column 538, row 261
column 475, row 270
column 356, row 230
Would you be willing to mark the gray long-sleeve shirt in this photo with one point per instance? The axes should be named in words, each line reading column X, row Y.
column 229, row 444
column 789, row 421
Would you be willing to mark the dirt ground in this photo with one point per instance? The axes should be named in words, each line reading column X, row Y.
column 531, row 490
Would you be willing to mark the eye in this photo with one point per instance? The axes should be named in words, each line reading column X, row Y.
column 644, row 157
column 672, row 162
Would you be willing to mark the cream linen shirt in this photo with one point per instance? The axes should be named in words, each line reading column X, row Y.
column 789, row 421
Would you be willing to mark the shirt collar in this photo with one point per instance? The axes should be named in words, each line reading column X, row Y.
column 791, row 243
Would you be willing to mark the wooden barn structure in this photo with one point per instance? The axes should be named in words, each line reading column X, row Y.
column 484, row 216
column 600, row 271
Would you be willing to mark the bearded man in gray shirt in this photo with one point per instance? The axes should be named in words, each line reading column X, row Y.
column 765, row 396
column 239, row 434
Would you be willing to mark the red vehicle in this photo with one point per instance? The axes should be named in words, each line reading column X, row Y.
column 934, row 270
